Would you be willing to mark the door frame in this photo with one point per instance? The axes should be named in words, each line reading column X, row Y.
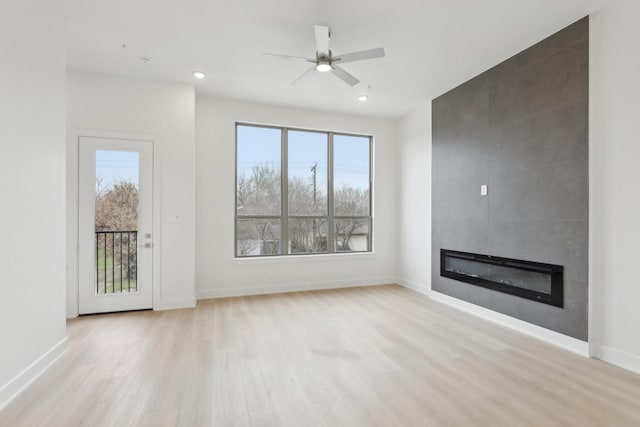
column 73, row 189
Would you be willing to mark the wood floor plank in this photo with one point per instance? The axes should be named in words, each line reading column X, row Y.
column 370, row 356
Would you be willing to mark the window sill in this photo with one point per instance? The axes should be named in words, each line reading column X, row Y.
column 310, row 258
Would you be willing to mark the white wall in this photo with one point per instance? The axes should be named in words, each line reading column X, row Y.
column 32, row 185
column 217, row 272
column 414, row 206
column 165, row 112
column 615, row 173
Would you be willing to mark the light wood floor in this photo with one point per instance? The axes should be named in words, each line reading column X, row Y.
column 372, row 356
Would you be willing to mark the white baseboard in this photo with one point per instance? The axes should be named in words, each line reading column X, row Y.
column 20, row 382
column 415, row 286
column 175, row 304
column 294, row 287
column 560, row 340
column 617, row 357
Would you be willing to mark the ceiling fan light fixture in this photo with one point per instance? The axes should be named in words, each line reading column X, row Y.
column 324, row 60
column 323, row 66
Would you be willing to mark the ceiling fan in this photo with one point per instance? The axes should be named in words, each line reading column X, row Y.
column 325, row 61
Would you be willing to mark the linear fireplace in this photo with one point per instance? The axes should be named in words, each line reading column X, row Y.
column 532, row 280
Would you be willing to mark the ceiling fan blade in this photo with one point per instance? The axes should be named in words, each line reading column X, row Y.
column 360, row 56
column 287, row 57
column 322, row 40
column 344, row 76
column 306, row 73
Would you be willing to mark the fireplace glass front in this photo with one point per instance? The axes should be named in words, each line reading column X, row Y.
column 533, row 280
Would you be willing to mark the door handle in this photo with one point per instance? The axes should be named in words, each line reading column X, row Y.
column 147, row 245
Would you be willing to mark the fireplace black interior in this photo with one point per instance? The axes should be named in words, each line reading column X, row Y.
column 532, row 280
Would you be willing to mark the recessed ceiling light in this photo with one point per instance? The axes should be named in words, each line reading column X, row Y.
column 363, row 97
column 199, row 75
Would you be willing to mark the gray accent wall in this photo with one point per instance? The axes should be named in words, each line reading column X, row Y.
column 522, row 129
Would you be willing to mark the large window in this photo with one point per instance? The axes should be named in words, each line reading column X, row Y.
column 301, row 192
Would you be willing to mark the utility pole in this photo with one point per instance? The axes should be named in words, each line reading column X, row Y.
column 314, row 169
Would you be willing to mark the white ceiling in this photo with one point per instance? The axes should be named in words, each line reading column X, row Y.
column 431, row 45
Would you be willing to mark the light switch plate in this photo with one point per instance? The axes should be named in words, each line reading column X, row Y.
column 484, row 190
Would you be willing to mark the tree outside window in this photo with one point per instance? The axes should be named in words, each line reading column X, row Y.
column 285, row 203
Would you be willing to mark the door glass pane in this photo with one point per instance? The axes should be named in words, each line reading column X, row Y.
column 307, row 235
column 307, row 167
column 116, row 221
column 351, row 172
column 258, row 179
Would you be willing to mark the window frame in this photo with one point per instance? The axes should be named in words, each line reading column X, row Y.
column 284, row 195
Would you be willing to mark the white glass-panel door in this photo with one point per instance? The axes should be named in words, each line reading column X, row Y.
column 115, row 222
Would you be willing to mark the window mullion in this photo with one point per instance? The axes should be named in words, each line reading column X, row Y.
column 284, row 213
column 330, row 223
column 235, row 190
column 370, row 243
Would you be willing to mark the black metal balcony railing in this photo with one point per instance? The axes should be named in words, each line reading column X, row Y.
column 116, row 261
